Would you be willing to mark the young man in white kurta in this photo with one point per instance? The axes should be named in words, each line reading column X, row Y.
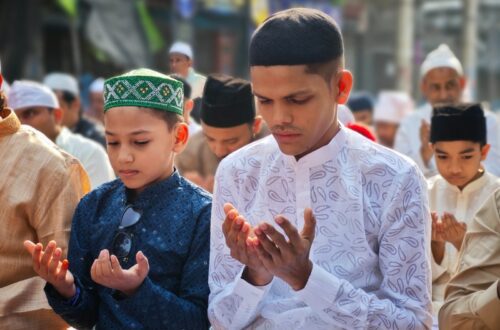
column 369, row 256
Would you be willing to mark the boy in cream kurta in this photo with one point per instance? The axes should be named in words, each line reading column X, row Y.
column 458, row 135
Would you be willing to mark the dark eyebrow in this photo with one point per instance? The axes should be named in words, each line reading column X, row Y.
column 466, row 151
column 299, row 93
column 440, row 151
column 133, row 133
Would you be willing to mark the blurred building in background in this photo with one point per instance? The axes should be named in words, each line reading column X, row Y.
column 385, row 40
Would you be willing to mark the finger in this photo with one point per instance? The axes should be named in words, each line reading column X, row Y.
column 37, row 254
column 93, row 271
column 229, row 207
column 47, row 254
column 30, row 246
column 434, row 216
column 451, row 217
column 242, row 243
column 276, row 237
column 234, row 231
column 64, row 269
column 105, row 262
column 115, row 264
column 291, row 232
column 309, row 229
column 267, row 244
column 143, row 264
column 54, row 262
column 228, row 221
column 264, row 257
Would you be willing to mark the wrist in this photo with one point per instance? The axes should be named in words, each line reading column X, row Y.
column 256, row 277
column 67, row 292
column 457, row 244
column 303, row 279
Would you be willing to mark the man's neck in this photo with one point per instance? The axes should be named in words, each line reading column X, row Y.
column 325, row 139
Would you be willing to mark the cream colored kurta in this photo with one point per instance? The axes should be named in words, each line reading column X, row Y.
column 472, row 300
column 444, row 197
column 40, row 186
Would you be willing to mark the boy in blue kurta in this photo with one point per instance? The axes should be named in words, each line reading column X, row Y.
column 139, row 246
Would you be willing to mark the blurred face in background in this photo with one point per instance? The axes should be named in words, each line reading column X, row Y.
column 179, row 64
column 97, row 106
column 44, row 119
column 70, row 105
column 364, row 116
column 386, row 133
column 442, row 85
column 223, row 141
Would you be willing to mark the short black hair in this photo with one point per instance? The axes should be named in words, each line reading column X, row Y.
column 297, row 36
column 68, row 97
column 325, row 69
column 170, row 118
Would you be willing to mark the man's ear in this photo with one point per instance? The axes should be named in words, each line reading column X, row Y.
column 484, row 151
column 188, row 107
column 463, row 82
column 181, row 135
column 58, row 115
column 257, row 125
column 343, row 84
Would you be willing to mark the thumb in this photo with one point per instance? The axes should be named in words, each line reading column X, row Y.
column 30, row 246
column 434, row 216
column 142, row 264
column 228, row 207
column 309, row 225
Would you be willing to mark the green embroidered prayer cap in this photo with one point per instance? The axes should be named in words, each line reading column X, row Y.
column 144, row 88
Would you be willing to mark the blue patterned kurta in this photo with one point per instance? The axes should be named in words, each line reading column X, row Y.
column 370, row 254
column 173, row 233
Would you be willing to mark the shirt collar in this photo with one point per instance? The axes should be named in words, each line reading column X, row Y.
column 153, row 192
column 10, row 123
column 63, row 136
column 323, row 154
column 472, row 186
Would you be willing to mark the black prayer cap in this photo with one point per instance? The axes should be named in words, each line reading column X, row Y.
column 227, row 101
column 459, row 122
column 360, row 101
column 185, row 85
column 296, row 36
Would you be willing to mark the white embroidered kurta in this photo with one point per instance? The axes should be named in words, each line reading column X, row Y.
column 371, row 266
column 444, row 197
column 408, row 140
column 91, row 154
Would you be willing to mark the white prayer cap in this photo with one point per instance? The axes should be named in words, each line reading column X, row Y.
column 62, row 82
column 97, row 86
column 344, row 114
column 26, row 94
column 441, row 57
column 392, row 107
column 181, row 48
